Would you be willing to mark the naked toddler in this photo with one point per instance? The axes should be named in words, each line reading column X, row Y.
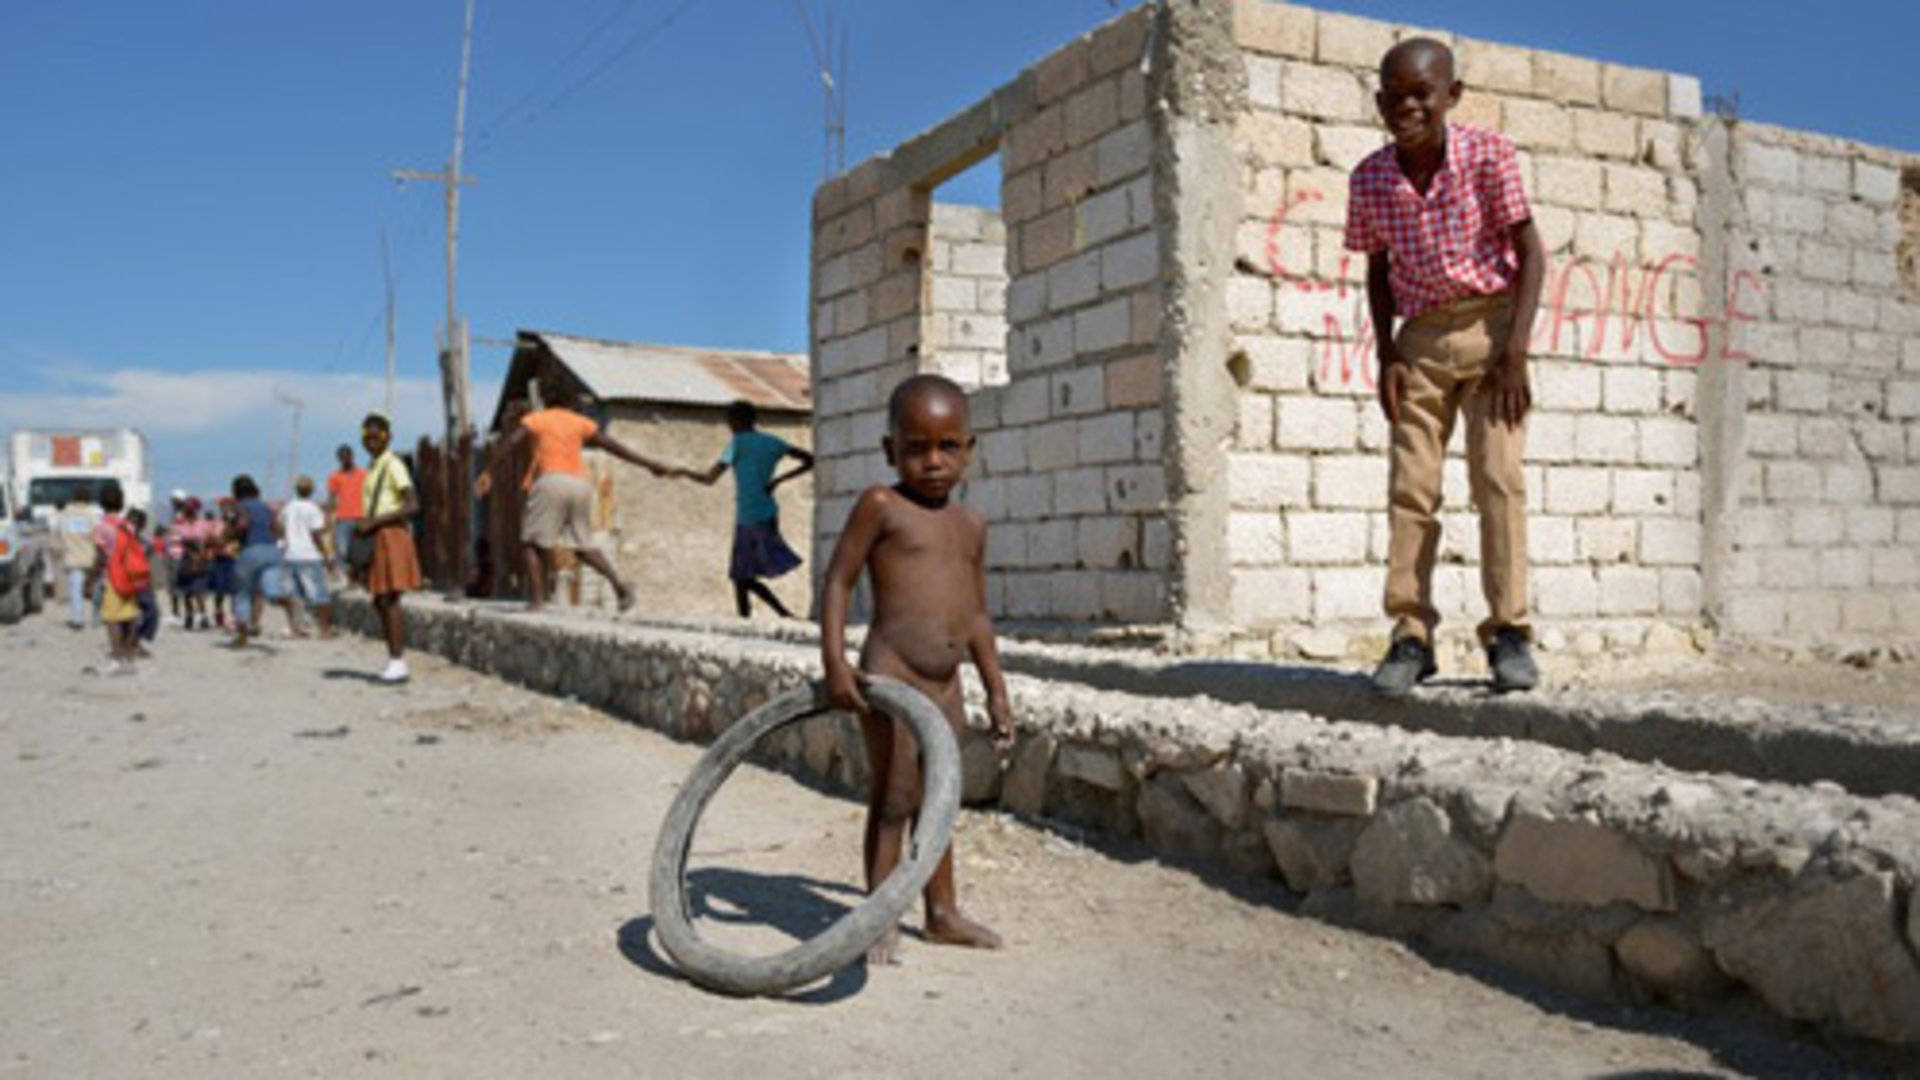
column 927, row 558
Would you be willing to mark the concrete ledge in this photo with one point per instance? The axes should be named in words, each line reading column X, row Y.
column 1613, row 878
column 1866, row 750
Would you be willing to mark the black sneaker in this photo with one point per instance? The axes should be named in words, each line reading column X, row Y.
column 1408, row 661
column 1511, row 661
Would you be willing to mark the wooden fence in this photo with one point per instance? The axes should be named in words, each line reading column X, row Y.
column 470, row 546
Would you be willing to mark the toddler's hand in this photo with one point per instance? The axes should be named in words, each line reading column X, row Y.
column 1000, row 717
column 843, row 688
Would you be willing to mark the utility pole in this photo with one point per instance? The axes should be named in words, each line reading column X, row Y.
column 455, row 514
column 293, row 451
column 453, row 339
column 386, row 271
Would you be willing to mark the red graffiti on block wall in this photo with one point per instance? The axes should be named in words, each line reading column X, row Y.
column 1583, row 305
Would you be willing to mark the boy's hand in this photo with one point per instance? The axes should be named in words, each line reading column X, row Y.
column 843, row 688
column 1393, row 382
column 1509, row 394
column 1000, row 719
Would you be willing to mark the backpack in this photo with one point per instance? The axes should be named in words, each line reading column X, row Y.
column 128, row 570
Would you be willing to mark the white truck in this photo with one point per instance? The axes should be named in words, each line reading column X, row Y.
column 23, row 558
column 49, row 464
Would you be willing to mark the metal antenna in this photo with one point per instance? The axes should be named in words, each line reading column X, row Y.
column 293, row 451
column 386, row 271
column 833, row 87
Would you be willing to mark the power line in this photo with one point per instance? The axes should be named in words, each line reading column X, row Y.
column 633, row 43
column 488, row 129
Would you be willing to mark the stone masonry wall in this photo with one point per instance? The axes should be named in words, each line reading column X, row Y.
column 1614, row 879
column 1826, row 540
column 1613, row 496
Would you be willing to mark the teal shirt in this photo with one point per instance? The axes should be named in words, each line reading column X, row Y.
column 753, row 455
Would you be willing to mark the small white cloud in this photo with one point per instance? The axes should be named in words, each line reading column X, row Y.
column 205, row 426
column 200, row 402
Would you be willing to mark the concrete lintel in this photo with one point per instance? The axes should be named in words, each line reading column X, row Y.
column 950, row 147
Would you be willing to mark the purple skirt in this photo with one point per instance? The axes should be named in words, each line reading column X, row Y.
column 759, row 552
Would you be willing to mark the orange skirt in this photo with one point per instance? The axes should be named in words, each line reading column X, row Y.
column 396, row 565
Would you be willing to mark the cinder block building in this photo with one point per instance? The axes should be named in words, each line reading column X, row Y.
column 1172, row 363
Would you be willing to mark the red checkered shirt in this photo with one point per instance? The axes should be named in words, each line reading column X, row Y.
column 1453, row 242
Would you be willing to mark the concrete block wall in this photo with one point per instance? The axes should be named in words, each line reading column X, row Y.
column 1070, row 473
column 1613, row 490
column 965, row 337
column 869, row 286
column 1067, row 401
column 1725, row 365
column 1826, row 535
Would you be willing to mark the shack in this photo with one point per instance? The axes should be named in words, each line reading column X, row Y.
column 671, row 538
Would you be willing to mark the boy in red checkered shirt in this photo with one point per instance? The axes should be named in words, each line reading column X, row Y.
column 1451, row 249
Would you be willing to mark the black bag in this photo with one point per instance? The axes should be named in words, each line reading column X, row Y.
column 360, row 553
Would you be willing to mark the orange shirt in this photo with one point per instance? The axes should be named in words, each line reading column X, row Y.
column 344, row 485
column 558, row 435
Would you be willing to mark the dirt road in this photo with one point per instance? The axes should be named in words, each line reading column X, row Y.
column 261, row 865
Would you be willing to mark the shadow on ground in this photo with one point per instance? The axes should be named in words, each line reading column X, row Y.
column 797, row 906
column 355, row 675
column 1744, row 1037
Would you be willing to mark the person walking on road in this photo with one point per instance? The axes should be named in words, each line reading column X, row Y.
column 389, row 503
column 345, row 506
column 124, row 575
column 560, row 498
column 113, row 504
column 256, row 570
column 303, row 527
column 74, row 526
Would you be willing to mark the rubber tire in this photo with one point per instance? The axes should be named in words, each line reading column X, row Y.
column 848, row 939
column 13, row 606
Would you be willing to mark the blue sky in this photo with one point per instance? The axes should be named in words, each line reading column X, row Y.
column 195, row 191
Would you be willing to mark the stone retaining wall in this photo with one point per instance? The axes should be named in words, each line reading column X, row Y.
column 1615, row 879
column 1866, row 750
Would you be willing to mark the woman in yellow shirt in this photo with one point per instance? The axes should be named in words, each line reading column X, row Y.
column 389, row 503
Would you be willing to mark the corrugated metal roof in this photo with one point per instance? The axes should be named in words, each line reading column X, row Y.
column 627, row 371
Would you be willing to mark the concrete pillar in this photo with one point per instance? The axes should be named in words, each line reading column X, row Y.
column 1722, row 393
column 1197, row 88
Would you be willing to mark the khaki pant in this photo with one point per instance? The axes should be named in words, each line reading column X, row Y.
column 559, row 512
column 1447, row 351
